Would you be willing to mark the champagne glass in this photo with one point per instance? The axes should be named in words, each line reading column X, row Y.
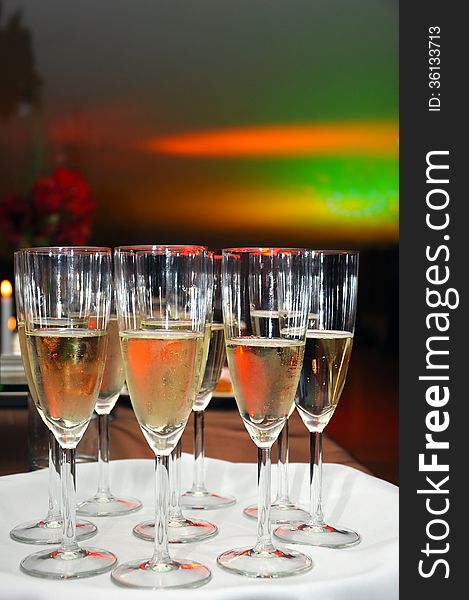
column 47, row 530
column 283, row 510
column 180, row 528
column 328, row 348
column 198, row 497
column 104, row 503
column 161, row 305
column 67, row 298
column 265, row 369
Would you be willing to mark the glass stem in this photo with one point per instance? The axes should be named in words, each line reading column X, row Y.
column 175, row 511
column 283, row 496
column 161, row 553
column 54, row 479
column 103, row 456
column 315, row 476
column 67, row 470
column 264, row 539
column 199, row 452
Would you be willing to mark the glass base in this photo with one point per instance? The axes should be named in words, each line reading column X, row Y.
column 280, row 513
column 55, row 564
column 49, row 531
column 325, row 536
column 180, row 531
column 108, row 506
column 267, row 564
column 156, row 576
column 206, row 500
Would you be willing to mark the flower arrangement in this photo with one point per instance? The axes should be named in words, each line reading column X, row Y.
column 57, row 210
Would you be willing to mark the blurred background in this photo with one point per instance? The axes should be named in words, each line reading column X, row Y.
column 216, row 122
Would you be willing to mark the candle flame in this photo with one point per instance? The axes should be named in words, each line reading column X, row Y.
column 6, row 289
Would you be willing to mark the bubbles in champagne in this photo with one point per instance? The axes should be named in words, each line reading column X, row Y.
column 157, row 323
column 325, row 365
column 265, row 374
column 67, row 366
column 26, row 363
column 202, row 355
column 161, row 374
column 113, row 375
column 213, row 367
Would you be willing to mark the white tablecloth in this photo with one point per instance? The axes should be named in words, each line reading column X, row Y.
column 351, row 498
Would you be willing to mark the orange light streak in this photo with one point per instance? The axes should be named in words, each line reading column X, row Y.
column 333, row 139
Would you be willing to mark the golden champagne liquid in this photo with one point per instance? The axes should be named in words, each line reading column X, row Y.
column 202, row 355
column 67, row 366
column 185, row 325
column 325, row 365
column 265, row 374
column 215, row 359
column 114, row 374
column 160, row 369
column 26, row 364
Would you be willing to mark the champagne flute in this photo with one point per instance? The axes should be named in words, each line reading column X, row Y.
column 328, row 348
column 265, row 368
column 67, row 298
column 161, row 305
column 104, row 503
column 198, row 497
column 180, row 528
column 47, row 530
column 283, row 509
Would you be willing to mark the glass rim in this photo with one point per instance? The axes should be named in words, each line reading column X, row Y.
column 67, row 250
column 264, row 250
column 160, row 248
column 335, row 252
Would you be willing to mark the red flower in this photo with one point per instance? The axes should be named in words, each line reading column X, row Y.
column 57, row 210
column 46, row 198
